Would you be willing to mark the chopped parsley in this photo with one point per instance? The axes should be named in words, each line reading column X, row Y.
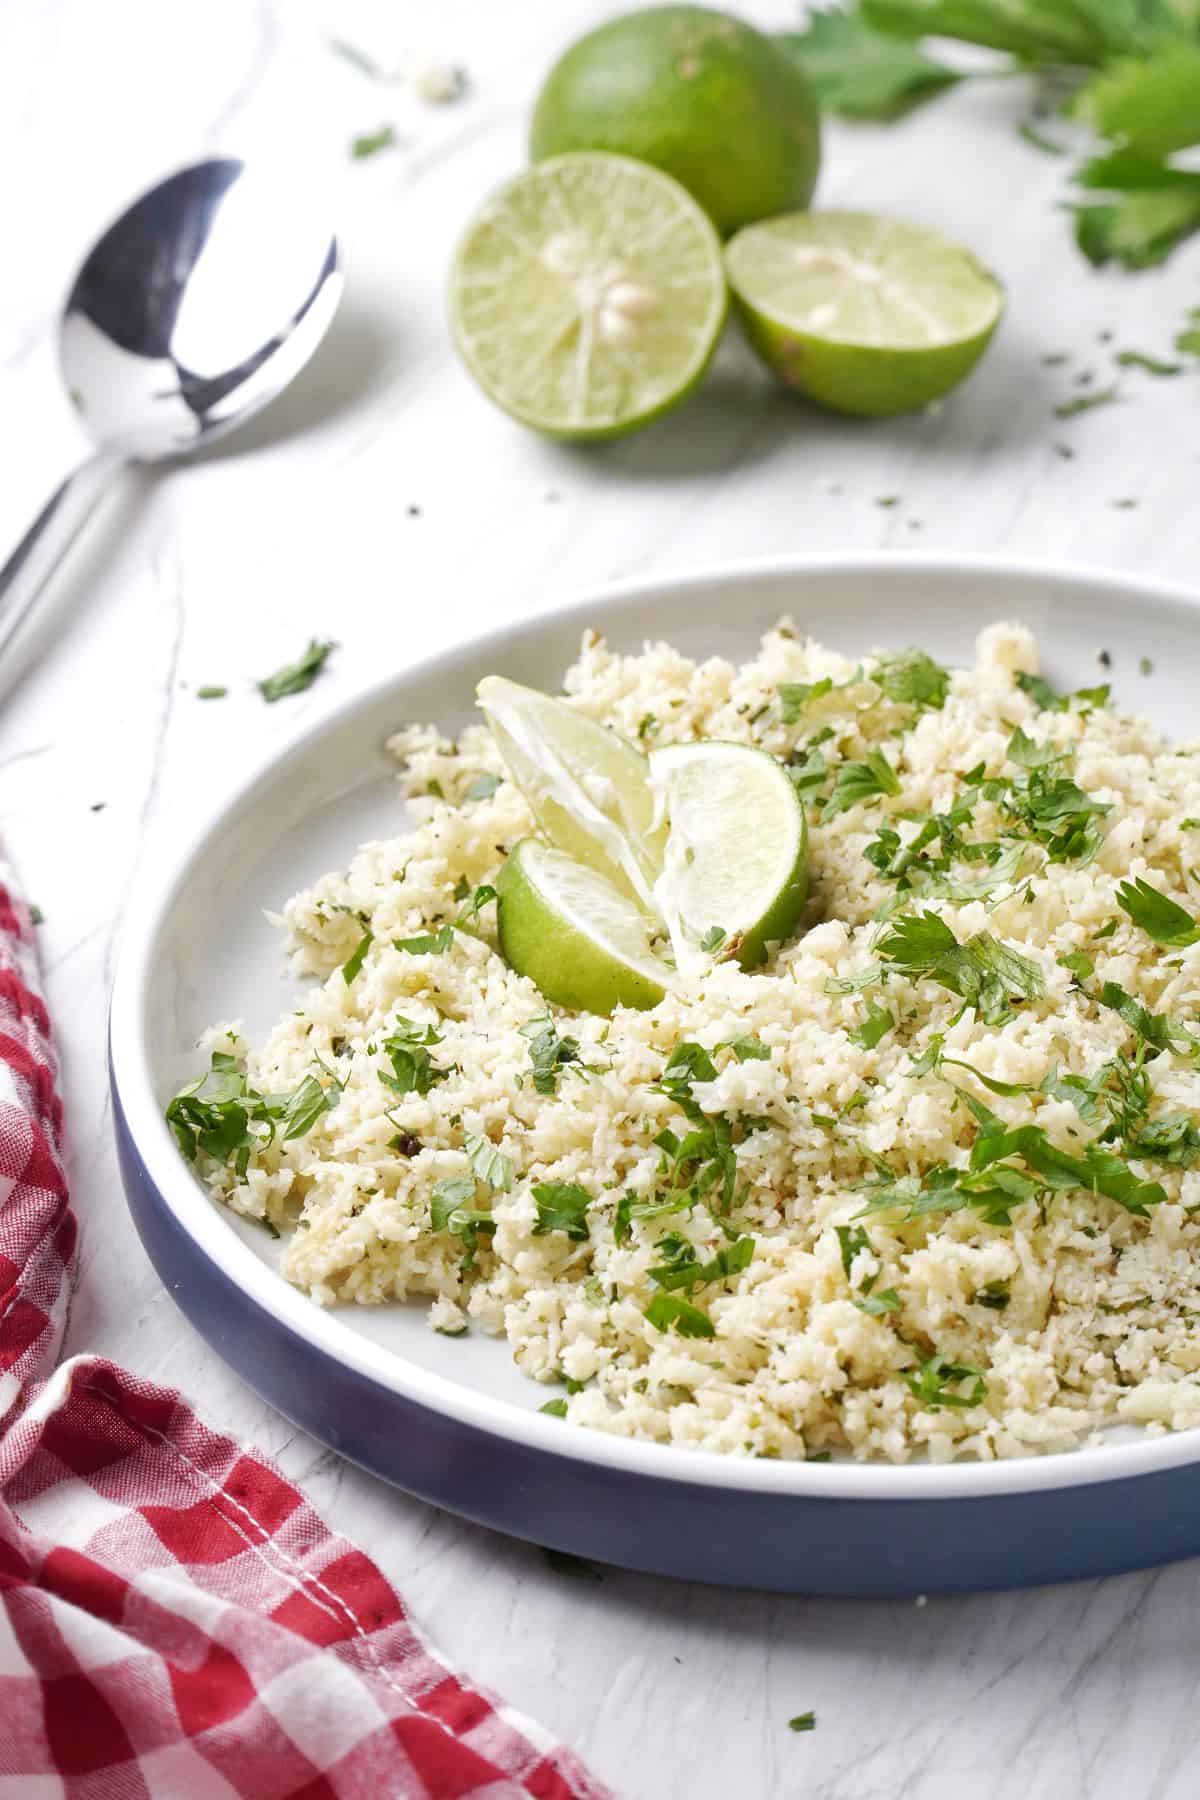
column 370, row 143
column 1157, row 915
column 427, row 943
column 806, row 1721
column 556, row 1409
column 1081, row 403
column 452, row 1209
column 211, row 693
column 683, row 1269
column 878, row 1022
column 746, row 1049
column 914, row 679
column 795, row 697
column 713, row 938
column 994, row 1295
column 295, row 677
column 1153, row 365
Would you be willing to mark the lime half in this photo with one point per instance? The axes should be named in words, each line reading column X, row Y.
column 866, row 315
column 568, row 929
column 735, row 876
column 588, row 295
column 588, row 789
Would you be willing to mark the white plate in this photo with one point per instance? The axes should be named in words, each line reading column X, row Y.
column 198, row 949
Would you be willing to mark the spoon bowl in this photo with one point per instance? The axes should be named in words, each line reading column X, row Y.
column 194, row 309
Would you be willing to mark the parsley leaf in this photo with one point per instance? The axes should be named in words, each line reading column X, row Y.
column 683, row 1269
column 1149, row 207
column 557, row 1409
column 666, row 1310
column 805, row 1721
column 1157, row 915
column 427, row 943
column 293, row 678
column 983, row 971
column 561, row 1206
column 214, row 1115
column 1158, row 1029
column 687, row 1063
column 993, row 1294
column 747, row 1049
column 859, row 72
column 1149, row 104
column 795, row 696
column 857, row 782
column 713, row 938
column 370, row 143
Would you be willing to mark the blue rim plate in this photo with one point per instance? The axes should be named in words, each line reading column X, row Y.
column 450, row 1420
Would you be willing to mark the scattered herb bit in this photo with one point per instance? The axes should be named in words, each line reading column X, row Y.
column 488, row 1163
column 483, row 788
column 994, row 1295
column 357, row 957
column 211, row 693
column 878, row 1022
column 938, row 1382
column 407, row 1049
column 295, row 677
column 557, row 1409
column 713, row 938
column 796, row 696
column 1145, row 666
column 452, row 1208
column 1157, row 915
column 880, row 1303
column 647, row 727
column 857, row 782
column 747, row 1049
column 214, row 1115
column 1080, row 965
column 1153, row 365
column 683, row 1269
column 913, row 678
column 427, row 943
column 667, row 1310
column 561, row 1206
column 1123, row 505
column 983, row 971
column 805, row 1721
column 1081, row 403
column 888, row 500
column 370, row 143
column 548, row 1052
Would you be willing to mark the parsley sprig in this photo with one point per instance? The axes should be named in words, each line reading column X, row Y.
column 218, row 1114
column 985, row 973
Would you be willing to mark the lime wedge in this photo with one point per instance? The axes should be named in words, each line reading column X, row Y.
column 568, row 929
column 735, row 876
column 588, row 789
column 588, row 295
column 865, row 315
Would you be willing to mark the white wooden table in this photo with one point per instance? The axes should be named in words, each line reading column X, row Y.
column 385, row 504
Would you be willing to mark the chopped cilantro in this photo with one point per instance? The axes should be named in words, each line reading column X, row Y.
column 914, row 679
column 556, row 1409
column 856, row 782
column 860, row 72
column 683, row 1269
column 370, row 143
column 747, row 1049
column 713, row 938
column 805, row 1721
column 295, row 677
column 357, row 957
column 407, row 1049
column 1157, row 915
column 427, row 943
column 666, row 1310
column 215, row 1114
column 488, row 1163
column 1153, row 365
column 796, row 696
column 211, row 693
column 548, row 1052
column 983, row 971
column 561, row 1206
column 878, row 1022
column 993, row 1294
column 938, row 1382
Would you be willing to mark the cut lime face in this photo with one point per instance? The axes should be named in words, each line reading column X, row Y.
column 735, row 876
column 588, row 789
column 568, row 929
column 588, row 295
column 865, row 315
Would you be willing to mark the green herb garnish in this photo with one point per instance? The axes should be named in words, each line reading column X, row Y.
column 548, row 1052
column 407, row 1049
column 295, row 677
column 983, row 971
column 667, row 1310
column 370, row 143
column 561, row 1206
column 357, row 957
column 857, row 782
column 1157, row 915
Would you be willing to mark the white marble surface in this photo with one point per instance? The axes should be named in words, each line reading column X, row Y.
column 385, row 504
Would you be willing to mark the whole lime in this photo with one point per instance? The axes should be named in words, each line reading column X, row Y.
column 697, row 93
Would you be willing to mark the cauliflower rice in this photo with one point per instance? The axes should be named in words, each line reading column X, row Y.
column 911, row 1331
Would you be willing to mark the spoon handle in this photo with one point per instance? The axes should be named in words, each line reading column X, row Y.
column 40, row 551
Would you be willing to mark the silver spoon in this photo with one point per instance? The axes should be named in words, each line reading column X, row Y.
column 195, row 308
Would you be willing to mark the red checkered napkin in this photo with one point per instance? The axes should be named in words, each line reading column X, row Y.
column 175, row 1620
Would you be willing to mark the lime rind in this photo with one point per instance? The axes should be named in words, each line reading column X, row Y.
column 865, row 315
column 587, row 296
column 584, row 945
